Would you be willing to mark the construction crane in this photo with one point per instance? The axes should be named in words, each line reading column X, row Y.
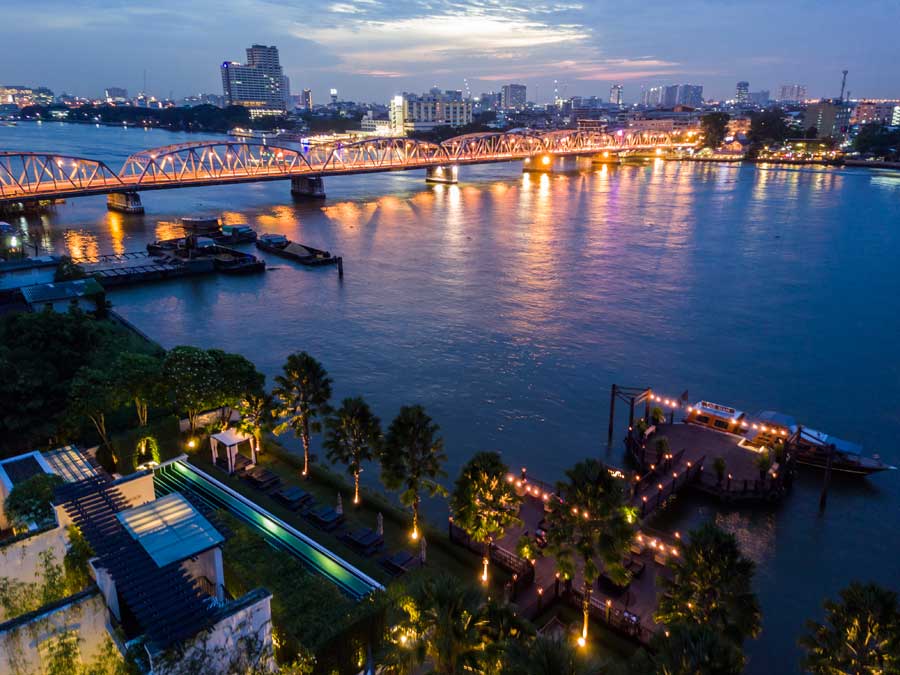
column 843, row 85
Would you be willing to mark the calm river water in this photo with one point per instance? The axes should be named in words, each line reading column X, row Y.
column 510, row 303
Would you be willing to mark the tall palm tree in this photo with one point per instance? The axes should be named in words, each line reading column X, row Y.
column 689, row 649
column 412, row 457
column 302, row 393
column 484, row 504
column 351, row 437
column 255, row 410
column 442, row 623
column 591, row 521
column 548, row 656
column 860, row 635
column 711, row 584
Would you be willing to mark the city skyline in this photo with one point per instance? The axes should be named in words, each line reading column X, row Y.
column 370, row 49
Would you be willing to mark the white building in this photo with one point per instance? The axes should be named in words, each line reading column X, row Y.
column 259, row 84
column 409, row 112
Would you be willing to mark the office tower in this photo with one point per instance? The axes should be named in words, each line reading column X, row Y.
column 512, row 97
column 742, row 93
column 259, row 84
column 615, row 94
column 307, row 100
column 334, row 96
column 792, row 93
column 689, row 95
column 831, row 118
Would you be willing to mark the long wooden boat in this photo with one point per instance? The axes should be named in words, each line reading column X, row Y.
column 767, row 428
column 280, row 245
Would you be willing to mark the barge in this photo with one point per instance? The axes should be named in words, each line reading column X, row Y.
column 280, row 245
column 193, row 248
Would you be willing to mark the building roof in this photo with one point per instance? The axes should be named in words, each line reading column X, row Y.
column 69, row 464
column 170, row 529
column 20, row 469
column 61, row 290
column 230, row 437
column 776, row 418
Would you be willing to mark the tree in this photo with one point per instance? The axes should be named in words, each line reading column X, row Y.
column 763, row 463
column 590, row 521
column 146, row 452
column 657, row 415
column 444, row 622
column 352, row 436
column 140, row 377
column 484, row 504
column 255, row 410
column 860, row 634
column 30, row 501
column 548, row 656
column 689, row 650
column 714, row 126
column 711, row 585
column 302, row 392
column 93, row 393
column 719, row 467
column 191, row 375
column 411, row 459
column 768, row 126
column 238, row 378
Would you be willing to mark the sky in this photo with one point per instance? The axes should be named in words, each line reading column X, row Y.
column 372, row 49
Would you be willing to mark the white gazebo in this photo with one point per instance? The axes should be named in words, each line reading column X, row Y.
column 229, row 440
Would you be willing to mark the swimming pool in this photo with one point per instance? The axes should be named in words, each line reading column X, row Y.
column 178, row 476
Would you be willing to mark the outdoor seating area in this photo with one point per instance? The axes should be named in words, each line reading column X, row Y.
column 261, row 478
column 293, row 497
column 399, row 563
column 365, row 541
column 326, row 518
column 226, row 447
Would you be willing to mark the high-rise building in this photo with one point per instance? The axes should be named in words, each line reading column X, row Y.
column 742, row 93
column 333, row 93
column 879, row 112
column 615, row 95
column 759, row 98
column 259, row 84
column 513, row 97
column 895, row 118
column 307, row 100
column 688, row 94
column 409, row 112
column 830, row 117
column 792, row 93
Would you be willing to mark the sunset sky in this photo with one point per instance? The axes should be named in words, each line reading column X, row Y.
column 371, row 49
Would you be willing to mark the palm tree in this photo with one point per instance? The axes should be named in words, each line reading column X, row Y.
column 591, row 521
column 352, row 435
column 860, row 635
column 484, row 504
column 255, row 410
column 711, row 584
column 689, row 649
column 442, row 623
column 548, row 656
column 412, row 457
column 302, row 392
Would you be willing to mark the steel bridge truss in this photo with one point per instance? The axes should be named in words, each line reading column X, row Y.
column 26, row 175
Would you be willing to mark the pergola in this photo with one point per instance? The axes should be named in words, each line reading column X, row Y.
column 229, row 440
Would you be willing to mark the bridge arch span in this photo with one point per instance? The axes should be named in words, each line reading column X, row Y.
column 28, row 174
column 210, row 160
column 492, row 146
column 383, row 153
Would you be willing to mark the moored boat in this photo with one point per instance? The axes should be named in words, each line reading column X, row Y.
column 280, row 245
column 234, row 234
column 767, row 428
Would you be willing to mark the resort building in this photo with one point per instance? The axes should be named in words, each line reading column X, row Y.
column 259, row 85
column 155, row 581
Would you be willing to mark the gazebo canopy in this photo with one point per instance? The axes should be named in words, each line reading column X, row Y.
column 230, row 437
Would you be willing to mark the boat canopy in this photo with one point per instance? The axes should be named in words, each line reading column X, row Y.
column 272, row 238
column 233, row 229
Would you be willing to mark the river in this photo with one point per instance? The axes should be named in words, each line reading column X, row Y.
column 509, row 304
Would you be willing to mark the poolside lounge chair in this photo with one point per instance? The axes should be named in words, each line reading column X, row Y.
column 365, row 541
column 292, row 497
column 398, row 563
column 326, row 518
column 262, row 479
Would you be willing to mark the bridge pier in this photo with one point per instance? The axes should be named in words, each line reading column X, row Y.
column 446, row 173
column 551, row 164
column 308, row 187
column 606, row 157
column 124, row 202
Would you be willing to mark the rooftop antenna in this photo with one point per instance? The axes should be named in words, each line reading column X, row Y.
column 843, row 85
column 144, row 90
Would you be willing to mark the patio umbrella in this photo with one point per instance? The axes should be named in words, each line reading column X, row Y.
column 422, row 547
column 379, row 524
column 340, row 505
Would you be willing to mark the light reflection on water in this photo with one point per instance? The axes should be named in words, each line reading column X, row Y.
column 508, row 304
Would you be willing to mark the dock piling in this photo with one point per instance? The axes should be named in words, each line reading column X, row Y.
column 340, row 265
column 823, row 499
column 612, row 414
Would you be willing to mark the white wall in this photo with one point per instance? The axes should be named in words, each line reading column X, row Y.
column 21, row 647
column 21, row 560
